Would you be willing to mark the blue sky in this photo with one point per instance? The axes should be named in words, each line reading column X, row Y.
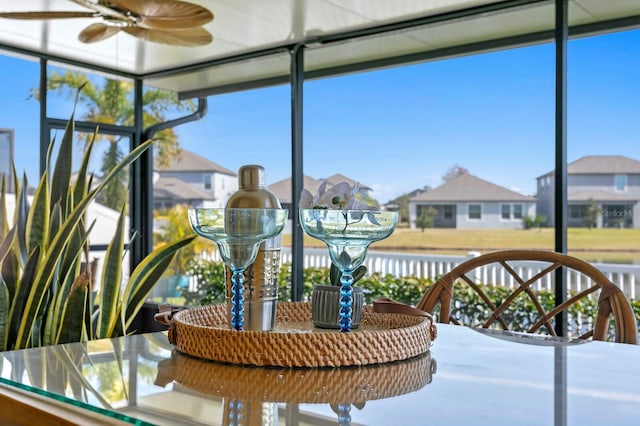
column 400, row 129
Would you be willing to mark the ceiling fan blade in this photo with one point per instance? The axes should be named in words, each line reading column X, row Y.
column 97, row 32
column 188, row 37
column 47, row 15
column 166, row 14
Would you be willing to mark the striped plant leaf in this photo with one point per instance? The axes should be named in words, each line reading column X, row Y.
column 72, row 326
column 9, row 262
column 20, row 326
column 54, row 315
column 38, row 218
column 61, row 177
column 5, row 306
column 81, row 186
column 111, row 282
column 21, row 213
column 145, row 276
column 4, row 218
column 55, row 220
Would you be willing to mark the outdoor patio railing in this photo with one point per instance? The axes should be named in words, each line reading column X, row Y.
column 433, row 266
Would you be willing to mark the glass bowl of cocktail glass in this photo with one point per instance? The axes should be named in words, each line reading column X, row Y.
column 238, row 233
column 347, row 234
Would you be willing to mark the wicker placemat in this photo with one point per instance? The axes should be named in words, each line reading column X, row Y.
column 298, row 385
column 381, row 337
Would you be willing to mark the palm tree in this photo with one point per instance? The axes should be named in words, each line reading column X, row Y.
column 110, row 101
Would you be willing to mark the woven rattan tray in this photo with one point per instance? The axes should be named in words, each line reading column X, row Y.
column 381, row 337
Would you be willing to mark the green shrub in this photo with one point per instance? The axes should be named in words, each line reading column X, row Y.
column 468, row 308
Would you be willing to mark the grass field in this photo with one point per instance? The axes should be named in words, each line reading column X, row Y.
column 607, row 245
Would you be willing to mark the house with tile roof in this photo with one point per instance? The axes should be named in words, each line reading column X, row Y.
column 611, row 182
column 468, row 202
column 192, row 180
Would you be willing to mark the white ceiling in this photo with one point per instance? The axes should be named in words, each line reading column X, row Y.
column 245, row 26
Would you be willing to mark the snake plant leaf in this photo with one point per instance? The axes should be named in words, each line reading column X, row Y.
column 21, row 324
column 146, row 274
column 111, row 282
column 36, row 332
column 4, row 219
column 62, row 170
column 72, row 327
column 5, row 306
column 8, row 262
column 46, row 270
column 80, row 187
column 38, row 218
column 20, row 219
column 76, row 245
column 55, row 219
column 7, row 243
column 54, row 315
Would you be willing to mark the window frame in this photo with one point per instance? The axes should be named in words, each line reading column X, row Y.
column 469, row 206
column 502, row 211
column 620, row 178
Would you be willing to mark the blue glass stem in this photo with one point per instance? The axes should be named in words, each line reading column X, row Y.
column 346, row 301
column 237, row 300
column 344, row 414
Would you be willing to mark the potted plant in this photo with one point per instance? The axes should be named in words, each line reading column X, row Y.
column 45, row 280
column 325, row 299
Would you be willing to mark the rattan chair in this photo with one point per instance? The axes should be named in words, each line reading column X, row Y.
column 611, row 300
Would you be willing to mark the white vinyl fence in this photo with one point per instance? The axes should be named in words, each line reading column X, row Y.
column 627, row 277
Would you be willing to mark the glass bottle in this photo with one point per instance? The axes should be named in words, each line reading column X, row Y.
column 261, row 277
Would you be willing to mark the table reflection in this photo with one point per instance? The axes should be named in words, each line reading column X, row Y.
column 483, row 378
column 250, row 393
column 129, row 378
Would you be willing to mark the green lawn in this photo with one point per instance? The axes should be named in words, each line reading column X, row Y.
column 611, row 245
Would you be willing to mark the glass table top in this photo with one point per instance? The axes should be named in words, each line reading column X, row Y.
column 468, row 377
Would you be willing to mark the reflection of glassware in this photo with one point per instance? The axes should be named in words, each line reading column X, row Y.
column 348, row 234
column 238, row 232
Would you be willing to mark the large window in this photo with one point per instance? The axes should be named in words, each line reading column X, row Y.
column 251, row 127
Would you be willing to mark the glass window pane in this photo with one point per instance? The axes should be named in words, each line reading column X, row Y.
column 620, row 182
column 445, row 134
column 517, row 211
column 506, row 211
column 603, row 154
column 103, row 99
column 250, row 127
column 20, row 118
column 475, row 211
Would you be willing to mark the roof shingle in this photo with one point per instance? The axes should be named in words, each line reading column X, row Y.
column 602, row 164
column 174, row 188
column 467, row 187
column 189, row 161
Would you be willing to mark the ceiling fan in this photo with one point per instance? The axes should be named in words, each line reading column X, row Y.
column 172, row 22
